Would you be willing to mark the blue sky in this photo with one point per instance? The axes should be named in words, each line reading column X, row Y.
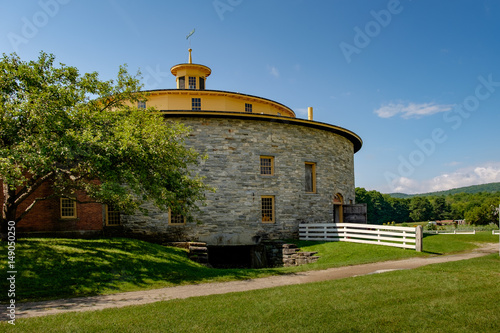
column 418, row 80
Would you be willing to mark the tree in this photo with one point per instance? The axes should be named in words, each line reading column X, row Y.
column 420, row 209
column 483, row 214
column 440, row 208
column 79, row 133
column 400, row 209
column 378, row 209
column 477, row 215
column 360, row 193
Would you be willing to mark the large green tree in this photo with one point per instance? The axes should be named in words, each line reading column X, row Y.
column 78, row 132
column 441, row 209
column 379, row 210
column 483, row 214
column 420, row 209
column 400, row 209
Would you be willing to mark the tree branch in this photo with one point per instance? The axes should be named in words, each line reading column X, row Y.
column 30, row 207
column 29, row 189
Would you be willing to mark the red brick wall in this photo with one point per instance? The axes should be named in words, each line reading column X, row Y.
column 46, row 216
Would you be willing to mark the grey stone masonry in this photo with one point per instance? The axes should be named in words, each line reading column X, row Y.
column 292, row 256
column 196, row 251
column 232, row 215
column 281, row 254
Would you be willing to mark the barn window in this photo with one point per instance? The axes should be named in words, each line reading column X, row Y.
column 68, row 208
column 310, row 171
column 267, row 165
column 267, row 203
column 176, row 219
column 196, row 104
column 112, row 216
column 192, row 82
column 182, row 82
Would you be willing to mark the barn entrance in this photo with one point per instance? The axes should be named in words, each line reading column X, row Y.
column 237, row 256
column 338, row 211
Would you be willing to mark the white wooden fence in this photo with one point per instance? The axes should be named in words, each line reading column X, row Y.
column 454, row 232
column 495, row 232
column 404, row 237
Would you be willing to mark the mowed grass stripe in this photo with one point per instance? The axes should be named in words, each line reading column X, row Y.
column 452, row 297
column 60, row 268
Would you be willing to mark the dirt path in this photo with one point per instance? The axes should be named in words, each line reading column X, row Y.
column 33, row 309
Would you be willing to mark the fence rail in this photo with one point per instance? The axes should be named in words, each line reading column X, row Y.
column 403, row 237
column 454, row 232
column 495, row 232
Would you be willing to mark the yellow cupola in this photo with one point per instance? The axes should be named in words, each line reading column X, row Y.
column 190, row 76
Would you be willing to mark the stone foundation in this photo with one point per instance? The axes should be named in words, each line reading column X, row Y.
column 267, row 254
column 281, row 254
column 197, row 251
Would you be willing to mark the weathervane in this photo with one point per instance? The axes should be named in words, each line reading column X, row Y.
column 189, row 35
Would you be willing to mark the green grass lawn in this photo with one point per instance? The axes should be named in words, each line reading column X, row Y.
column 58, row 268
column 460, row 296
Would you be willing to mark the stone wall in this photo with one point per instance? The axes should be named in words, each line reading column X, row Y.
column 232, row 215
column 281, row 254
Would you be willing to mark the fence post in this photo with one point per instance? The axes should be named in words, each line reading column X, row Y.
column 418, row 238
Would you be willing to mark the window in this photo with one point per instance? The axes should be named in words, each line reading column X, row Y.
column 248, row 107
column 267, row 208
column 141, row 105
column 192, row 82
column 202, row 83
column 267, row 165
column 176, row 219
column 196, row 104
column 182, row 82
column 310, row 177
column 68, row 208
column 112, row 216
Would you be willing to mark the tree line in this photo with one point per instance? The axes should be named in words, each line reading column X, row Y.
column 476, row 208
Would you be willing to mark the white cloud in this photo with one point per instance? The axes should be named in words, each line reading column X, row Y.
column 411, row 110
column 489, row 173
column 273, row 71
column 403, row 185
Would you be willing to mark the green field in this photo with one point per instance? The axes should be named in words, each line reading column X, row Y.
column 59, row 268
column 458, row 296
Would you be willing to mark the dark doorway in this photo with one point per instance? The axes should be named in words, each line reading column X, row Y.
column 237, row 256
column 230, row 256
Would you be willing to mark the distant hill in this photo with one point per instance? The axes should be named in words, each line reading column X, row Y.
column 491, row 187
column 402, row 195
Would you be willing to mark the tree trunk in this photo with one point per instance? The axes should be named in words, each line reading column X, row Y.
column 9, row 209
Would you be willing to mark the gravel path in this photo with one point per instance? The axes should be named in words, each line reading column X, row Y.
column 33, row 309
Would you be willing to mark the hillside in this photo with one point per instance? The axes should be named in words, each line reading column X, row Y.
column 491, row 187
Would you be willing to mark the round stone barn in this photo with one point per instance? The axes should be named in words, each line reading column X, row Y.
column 271, row 170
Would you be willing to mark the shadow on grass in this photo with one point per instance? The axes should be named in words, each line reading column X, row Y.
column 55, row 268
column 424, row 236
